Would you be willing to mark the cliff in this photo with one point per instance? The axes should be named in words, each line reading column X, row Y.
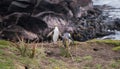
column 34, row 19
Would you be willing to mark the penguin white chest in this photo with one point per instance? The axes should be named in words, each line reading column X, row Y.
column 55, row 34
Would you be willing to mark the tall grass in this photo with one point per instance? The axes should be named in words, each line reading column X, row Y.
column 25, row 49
column 66, row 50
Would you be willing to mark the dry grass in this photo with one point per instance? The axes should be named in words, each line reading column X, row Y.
column 85, row 55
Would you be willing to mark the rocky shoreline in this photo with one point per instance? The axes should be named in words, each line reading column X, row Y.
column 83, row 22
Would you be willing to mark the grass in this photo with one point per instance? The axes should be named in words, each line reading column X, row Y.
column 98, row 66
column 10, row 57
column 113, row 42
column 115, row 64
column 84, row 58
column 86, row 67
column 25, row 49
column 116, row 48
column 65, row 52
column 56, row 63
column 87, row 58
column 14, row 55
column 5, row 43
column 116, row 43
column 5, row 62
column 78, row 59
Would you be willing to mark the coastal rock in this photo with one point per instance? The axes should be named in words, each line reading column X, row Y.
column 78, row 17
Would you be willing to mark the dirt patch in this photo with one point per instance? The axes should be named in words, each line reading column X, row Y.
column 85, row 54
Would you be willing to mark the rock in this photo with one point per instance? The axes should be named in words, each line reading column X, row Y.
column 22, row 6
column 76, row 16
column 15, row 33
column 117, row 23
column 4, row 4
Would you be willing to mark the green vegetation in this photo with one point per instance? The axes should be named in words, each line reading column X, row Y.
column 20, row 55
column 116, row 43
column 115, row 64
column 81, row 59
column 65, row 52
column 5, row 43
column 25, row 49
column 98, row 66
column 116, row 48
column 87, row 58
column 5, row 62
column 78, row 59
column 112, row 42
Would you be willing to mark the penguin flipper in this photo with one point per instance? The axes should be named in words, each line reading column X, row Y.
column 49, row 34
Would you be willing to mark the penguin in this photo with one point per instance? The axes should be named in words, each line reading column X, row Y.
column 55, row 34
column 66, row 39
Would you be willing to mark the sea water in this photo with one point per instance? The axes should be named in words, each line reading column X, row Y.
column 113, row 13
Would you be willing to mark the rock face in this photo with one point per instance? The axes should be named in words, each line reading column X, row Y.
column 117, row 24
column 34, row 19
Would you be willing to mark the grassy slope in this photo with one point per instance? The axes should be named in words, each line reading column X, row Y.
column 6, row 57
column 116, row 43
column 10, row 58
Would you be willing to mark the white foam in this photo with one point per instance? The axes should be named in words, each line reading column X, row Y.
column 113, row 3
column 115, row 36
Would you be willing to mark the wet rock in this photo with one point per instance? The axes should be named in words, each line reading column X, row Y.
column 117, row 24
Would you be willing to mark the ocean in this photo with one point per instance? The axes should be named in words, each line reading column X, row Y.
column 113, row 13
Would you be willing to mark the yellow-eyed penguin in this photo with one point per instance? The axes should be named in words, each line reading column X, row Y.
column 67, row 39
column 56, row 33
